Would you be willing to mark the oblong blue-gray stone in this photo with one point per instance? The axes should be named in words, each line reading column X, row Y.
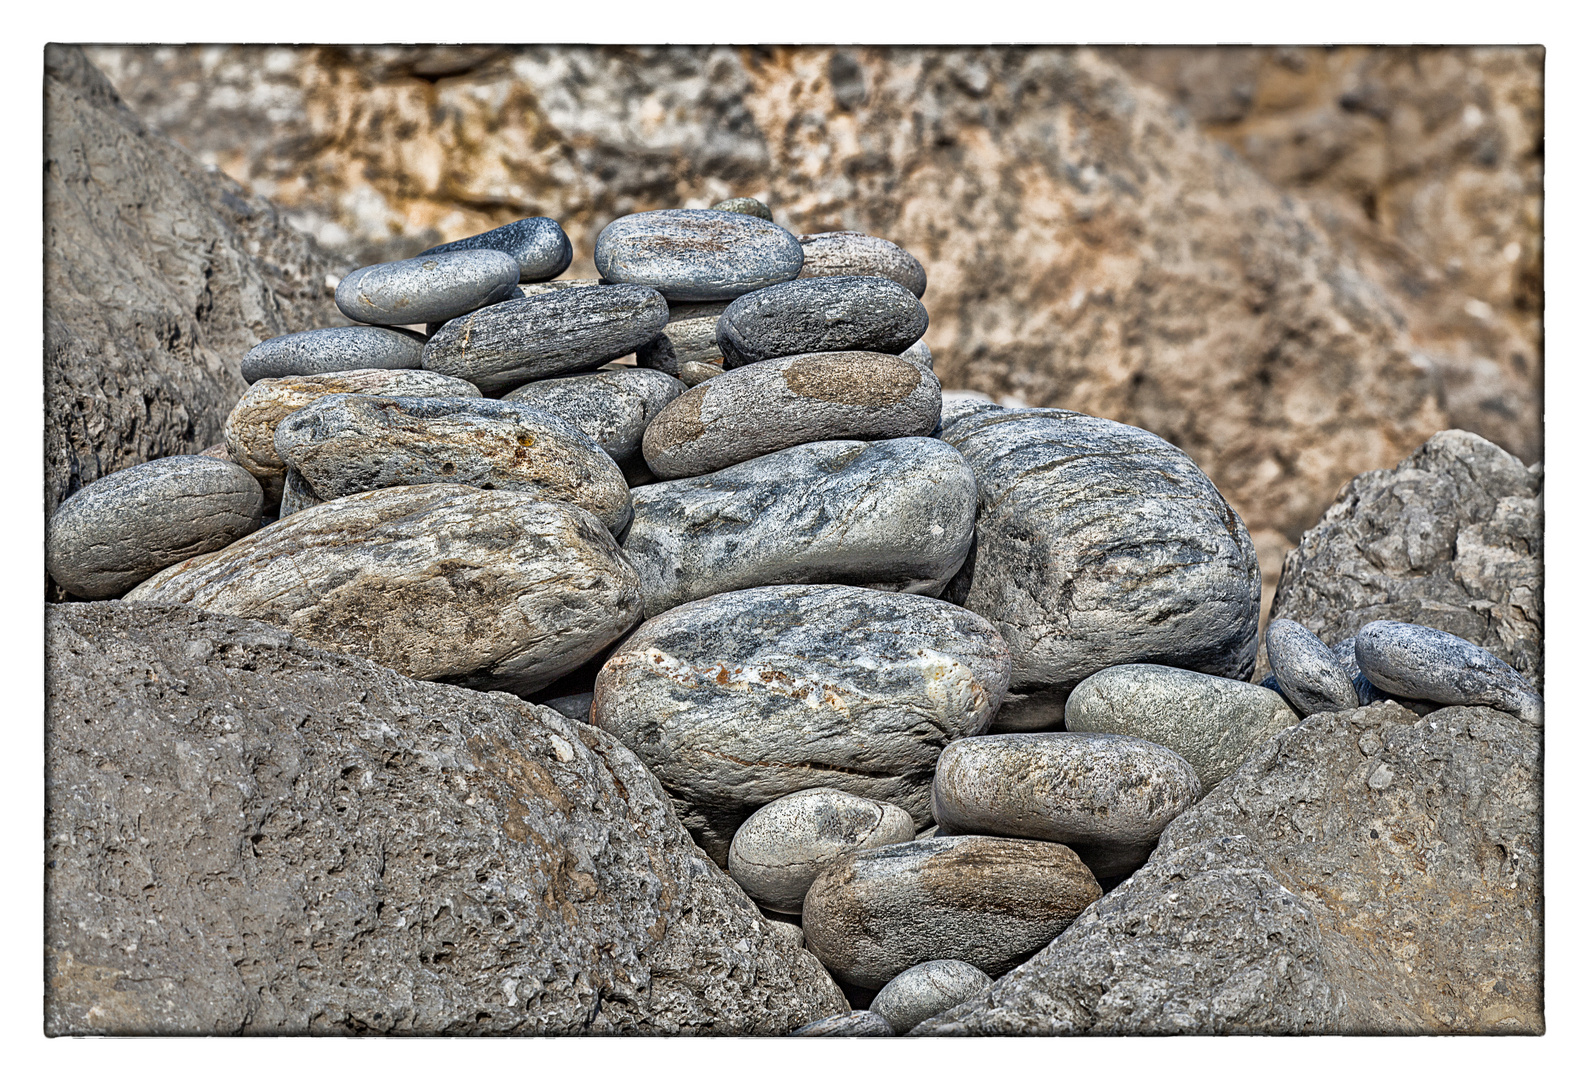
column 537, row 244
column 332, row 349
column 613, row 407
column 1420, row 662
column 827, row 314
column 697, row 254
column 1309, row 673
column 845, row 253
column 431, row 288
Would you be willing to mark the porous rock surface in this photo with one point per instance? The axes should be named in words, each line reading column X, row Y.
column 248, row 835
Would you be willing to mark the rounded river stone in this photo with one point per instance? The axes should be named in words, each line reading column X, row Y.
column 918, row 353
column 537, row 244
column 697, row 254
column 744, row 697
column 857, row 1024
column 771, row 406
column 343, row 444
column 1105, row 796
column 296, row 494
column 854, row 254
column 1212, row 722
column 117, row 531
column 336, row 348
column 431, row 288
column 1099, row 544
column 490, row 589
column 1420, row 662
column 826, row 314
column 1311, row 676
column 895, row 515
column 682, row 341
column 612, row 407
column 746, row 205
column 780, row 848
column 989, row 901
column 926, row 990
column 509, row 344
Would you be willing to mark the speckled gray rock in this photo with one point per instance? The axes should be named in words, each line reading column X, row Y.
column 1099, row 544
column 573, row 706
column 927, row 989
column 851, row 253
column 896, row 515
column 1212, row 722
column 490, row 589
column 343, row 444
column 684, row 340
column 771, row 406
column 431, row 288
column 697, row 254
column 537, row 244
column 745, row 205
column 989, row 901
column 612, row 407
column 335, row 348
column 780, row 848
column 1307, row 670
column 827, row 314
column 509, row 344
column 741, row 698
column 1105, row 796
column 919, row 353
column 856, row 1024
column 296, row 494
column 120, row 529
column 1420, row 662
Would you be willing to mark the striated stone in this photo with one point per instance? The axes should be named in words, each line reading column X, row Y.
column 431, row 288
column 988, row 901
column 296, row 494
column 742, row 698
column 858, row 1023
column 927, row 989
column 490, row 589
column 845, row 254
column 826, row 314
column 612, row 407
column 774, row 405
column 697, row 254
column 1431, row 665
column 537, row 244
column 335, row 348
column 1308, row 672
column 745, row 205
column 896, row 515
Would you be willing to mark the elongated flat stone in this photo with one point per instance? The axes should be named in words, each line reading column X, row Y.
column 1212, row 722
column 1105, row 796
column 612, row 407
column 989, row 901
column 1099, row 544
column 335, row 348
column 552, row 333
column 122, row 528
column 745, row 697
column 896, row 515
column 537, row 244
column 827, row 314
column 431, row 288
column 1420, row 662
column 927, row 989
column 697, row 254
column 1311, row 676
column 490, row 589
column 771, row 406
column 835, row 254
column 343, row 444
column 859, row 1023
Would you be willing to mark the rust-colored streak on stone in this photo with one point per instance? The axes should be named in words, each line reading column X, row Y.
column 1013, row 880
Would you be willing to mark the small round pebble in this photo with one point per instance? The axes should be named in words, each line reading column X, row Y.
column 827, row 314
column 746, row 205
column 853, row 253
column 335, row 348
column 432, row 288
column 860, row 1023
column 926, row 990
column 537, row 244
column 1420, row 662
column 697, row 254
column 1307, row 670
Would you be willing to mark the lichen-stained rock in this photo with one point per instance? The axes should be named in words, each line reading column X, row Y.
column 1452, row 538
column 771, row 406
column 343, row 444
column 697, row 255
column 1099, row 544
column 986, row 900
column 248, row 835
column 844, row 253
column 1407, row 901
column 742, row 698
column 612, row 407
column 897, row 514
column 828, row 314
column 491, row 589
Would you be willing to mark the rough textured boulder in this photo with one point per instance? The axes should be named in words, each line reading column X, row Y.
column 1368, row 871
column 248, row 835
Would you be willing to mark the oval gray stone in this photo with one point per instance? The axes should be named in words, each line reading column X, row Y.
column 771, row 406
column 1099, row 544
column 490, row 589
column 682, row 341
column 857, row 1024
column 896, row 515
column 745, row 205
column 1307, row 670
column 343, row 444
column 1212, row 722
column 296, row 494
column 537, row 244
column 335, row 348
column 989, row 901
column 1105, row 796
column 697, row 254
column 1420, row 662
column 842, row 254
column 431, row 288
column 744, row 697
column 827, row 314
column 927, row 989
column 779, row 850
column 509, row 344
column 122, row 528
column 612, row 407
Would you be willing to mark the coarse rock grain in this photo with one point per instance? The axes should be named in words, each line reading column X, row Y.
column 858, row 1023
column 695, row 255
column 537, row 244
column 430, row 288
column 827, row 314
column 844, row 254
column 1309, row 674
column 694, row 372
column 1431, row 665
column 612, row 407
column 334, row 348
column 927, row 989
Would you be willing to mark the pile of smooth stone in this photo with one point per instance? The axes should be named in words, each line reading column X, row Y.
column 925, row 676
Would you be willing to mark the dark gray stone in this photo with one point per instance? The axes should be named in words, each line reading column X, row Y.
column 927, row 989
column 745, row 205
column 835, row 254
column 573, row 706
column 856, row 1024
column 537, row 244
column 697, row 254
column 431, row 288
column 1432, row 665
column 612, row 407
column 335, row 348
column 1307, row 670
column 827, row 314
